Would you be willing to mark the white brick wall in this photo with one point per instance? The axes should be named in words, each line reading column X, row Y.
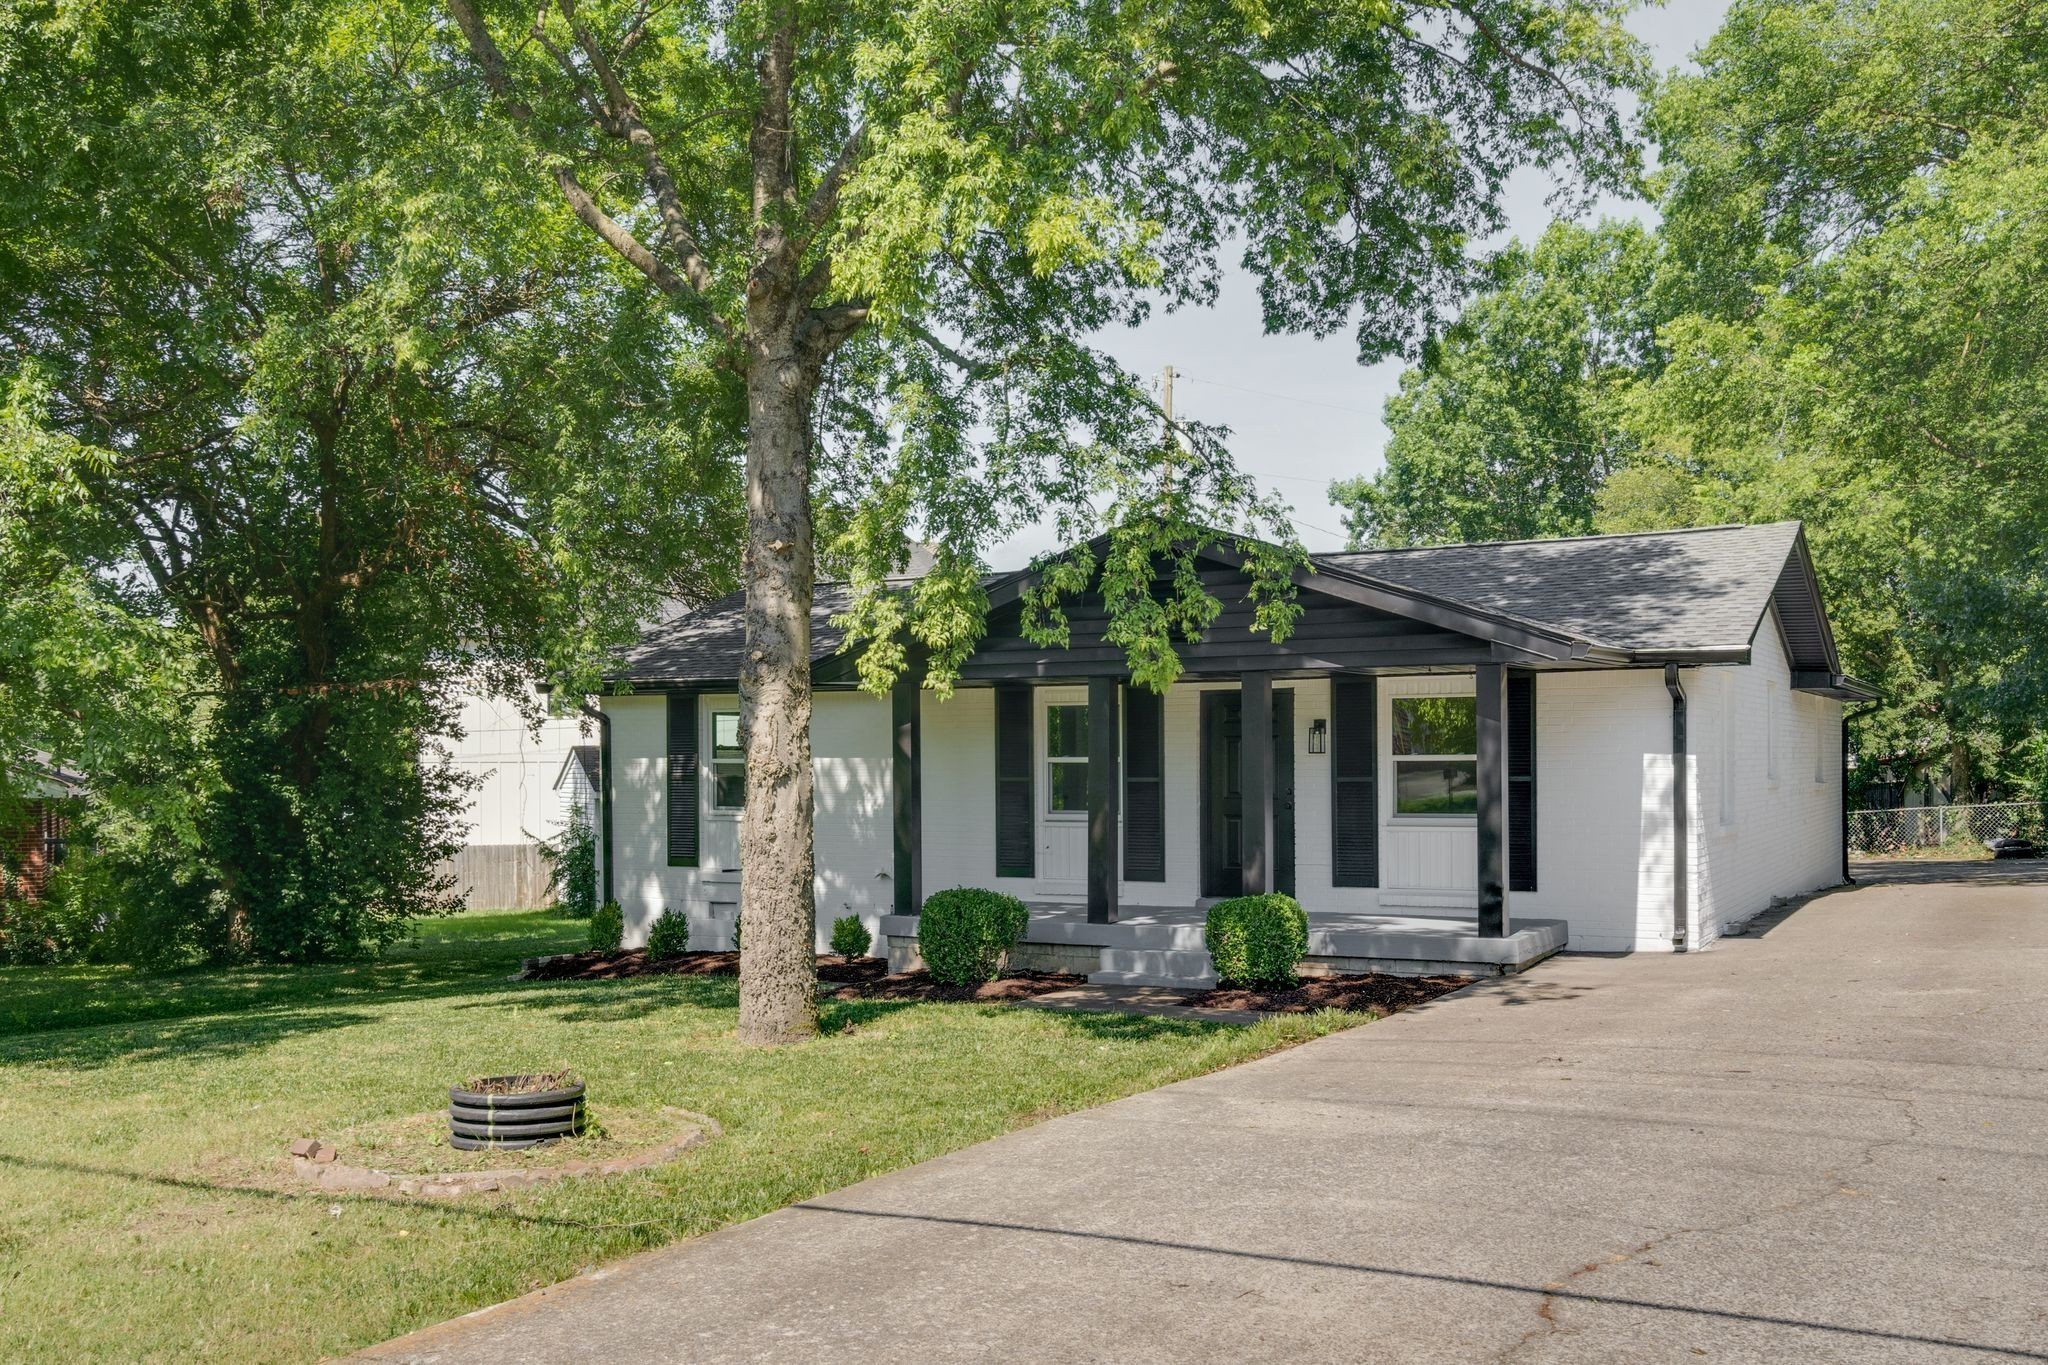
column 1784, row 836
column 1603, row 810
column 854, row 840
column 1603, row 754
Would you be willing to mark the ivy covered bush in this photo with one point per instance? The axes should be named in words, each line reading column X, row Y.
column 965, row 933
column 850, row 938
column 669, row 937
column 572, row 867
column 607, row 927
column 1257, row 940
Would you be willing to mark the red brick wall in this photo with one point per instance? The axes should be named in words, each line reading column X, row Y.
column 22, row 849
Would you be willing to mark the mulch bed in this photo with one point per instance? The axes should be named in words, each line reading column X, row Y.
column 596, row 965
column 922, row 986
column 862, row 978
column 1370, row 993
column 868, row 978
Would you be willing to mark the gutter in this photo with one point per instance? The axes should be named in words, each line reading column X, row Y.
column 1681, row 816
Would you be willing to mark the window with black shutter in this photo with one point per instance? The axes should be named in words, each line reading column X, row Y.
column 682, row 779
column 1144, row 785
column 1354, row 773
column 1015, row 815
column 1521, row 744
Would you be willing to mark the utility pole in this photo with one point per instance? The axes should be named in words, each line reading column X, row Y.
column 1166, row 407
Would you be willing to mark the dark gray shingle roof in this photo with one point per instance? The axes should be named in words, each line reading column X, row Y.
column 1662, row 590
column 1655, row 591
column 708, row 645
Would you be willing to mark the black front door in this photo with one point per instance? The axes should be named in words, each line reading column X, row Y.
column 1223, row 812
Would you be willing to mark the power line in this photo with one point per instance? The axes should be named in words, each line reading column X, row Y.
column 1166, row 378
column 1361, row 412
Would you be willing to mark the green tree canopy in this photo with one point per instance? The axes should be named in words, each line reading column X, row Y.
column 1849, row 301
column 266, row 384
column 1507, row 428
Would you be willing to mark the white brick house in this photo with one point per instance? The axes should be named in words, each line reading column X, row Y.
column 1467, row 760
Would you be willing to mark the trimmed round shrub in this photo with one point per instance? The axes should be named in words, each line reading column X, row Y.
column 1257, row 940
column 850, row 938
column 669, row 936
column 964, row 933
column 607, row 927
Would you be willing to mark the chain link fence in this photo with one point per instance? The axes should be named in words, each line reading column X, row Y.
column 1925, row 829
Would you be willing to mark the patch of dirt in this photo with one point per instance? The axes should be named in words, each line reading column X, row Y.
column 1368, row 993
column 603, row 966
column 924, row 986
column 418, row 1143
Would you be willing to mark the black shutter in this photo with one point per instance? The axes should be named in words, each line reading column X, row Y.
column 682, row 779
column 1144, row 785
column 1521, row 782
column 1354, row 774
column 1015, row 840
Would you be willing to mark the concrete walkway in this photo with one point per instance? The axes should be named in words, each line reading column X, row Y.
column 1825, row 1142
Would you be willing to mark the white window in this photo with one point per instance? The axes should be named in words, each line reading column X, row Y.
column 1771, row 731
column 728, row 762
column 1820, row 744
column 1436, row 755
column 1066, row 760
column 1727, row 749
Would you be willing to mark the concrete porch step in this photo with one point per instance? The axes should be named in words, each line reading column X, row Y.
column 1154, row 967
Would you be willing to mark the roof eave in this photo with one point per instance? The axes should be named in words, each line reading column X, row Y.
column 1822, row 682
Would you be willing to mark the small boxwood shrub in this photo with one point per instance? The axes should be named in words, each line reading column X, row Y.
column 1256, row 940
column 669, row 936
column 964, row 933
column 607, row 927
column 850, row 938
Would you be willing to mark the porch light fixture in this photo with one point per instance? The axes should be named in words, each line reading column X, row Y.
column 1319, row 736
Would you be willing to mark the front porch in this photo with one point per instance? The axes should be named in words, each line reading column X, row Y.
column 1162, row 946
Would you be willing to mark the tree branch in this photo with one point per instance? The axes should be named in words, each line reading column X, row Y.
column 627, row 123
column 498, row 78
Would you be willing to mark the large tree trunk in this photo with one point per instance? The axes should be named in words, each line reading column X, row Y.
column 778, row 964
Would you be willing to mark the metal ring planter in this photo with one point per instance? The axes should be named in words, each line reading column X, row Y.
column 477, row 1119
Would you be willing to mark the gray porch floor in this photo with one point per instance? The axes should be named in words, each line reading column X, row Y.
column 1162, row 945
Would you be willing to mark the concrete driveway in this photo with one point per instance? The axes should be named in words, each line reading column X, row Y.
column 1824, row 1142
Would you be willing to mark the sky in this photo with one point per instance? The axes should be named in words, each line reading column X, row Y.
column 1303, row 411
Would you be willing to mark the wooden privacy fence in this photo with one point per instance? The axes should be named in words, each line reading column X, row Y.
column 1912, row 828
column 501, row 877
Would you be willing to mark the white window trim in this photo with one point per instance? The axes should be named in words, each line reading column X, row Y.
column 1395, row 814
column 1771, row 709
column 1727, row 811
column 709, row 763
column 1047, row 762
column 1820, row 742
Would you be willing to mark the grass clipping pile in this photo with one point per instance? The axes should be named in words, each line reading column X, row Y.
column 411, row 1156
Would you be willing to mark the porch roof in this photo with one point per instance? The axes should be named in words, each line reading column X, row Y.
column 1693, row 596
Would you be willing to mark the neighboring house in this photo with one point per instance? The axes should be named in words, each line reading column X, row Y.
column 576, row 784
column 34, row 837
column 515, row 803
column 1461, row 757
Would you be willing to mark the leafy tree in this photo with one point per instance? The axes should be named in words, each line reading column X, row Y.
column 894, row 224
column 1850, row 308
column 266, row 384
column 1865, row 232
column 1507, row 428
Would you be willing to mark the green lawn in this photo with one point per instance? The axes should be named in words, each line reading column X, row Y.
column 145, row 1212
